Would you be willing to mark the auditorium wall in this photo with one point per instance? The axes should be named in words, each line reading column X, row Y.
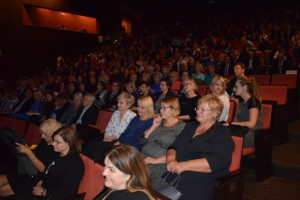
column 34, row 48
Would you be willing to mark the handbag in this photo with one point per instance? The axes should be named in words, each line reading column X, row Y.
column 160, row 185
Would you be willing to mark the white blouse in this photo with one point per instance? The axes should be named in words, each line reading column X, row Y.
column 226, row 103
column 116, row 126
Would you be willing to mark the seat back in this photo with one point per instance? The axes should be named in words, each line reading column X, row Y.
column 96, row 182
column 202, row 89
column 17, row 125
column 33, row 135
column 103, row 119
column 88, row 173
column 267, row 115
column 276, row 93
column 237, row 154
column 262, row 79
column 231, row 112
column 285, row 79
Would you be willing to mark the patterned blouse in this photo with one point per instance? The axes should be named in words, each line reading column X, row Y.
column 116, row 126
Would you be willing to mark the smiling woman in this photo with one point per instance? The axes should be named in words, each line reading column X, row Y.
column 126, row 175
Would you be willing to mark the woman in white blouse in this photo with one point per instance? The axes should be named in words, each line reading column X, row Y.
column 121, row 118
column 217, row 87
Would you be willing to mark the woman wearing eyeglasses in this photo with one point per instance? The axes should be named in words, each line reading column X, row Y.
column 164, row 130
column 202, row 152
column 188, row 101
column 249, row 111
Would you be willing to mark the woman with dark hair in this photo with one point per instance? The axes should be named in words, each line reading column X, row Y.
column 165, row 84
column 61, row 178
column 100, row 94
column 111, row 97
column 249, row 111
column 126, row 175
column 14, row 183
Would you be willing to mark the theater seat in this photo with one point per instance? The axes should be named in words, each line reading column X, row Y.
column 102, row 121
column 33, row 135
column 202, row 90
column 231, row 186
column 92, row 182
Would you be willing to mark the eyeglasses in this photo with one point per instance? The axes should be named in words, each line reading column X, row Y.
column 202, row 109
column 165, row 107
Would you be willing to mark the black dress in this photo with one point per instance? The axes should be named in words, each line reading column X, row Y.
column 188, row 105
column 123, row 195
column 24, row 183
column 60, row 179
column 216, row 145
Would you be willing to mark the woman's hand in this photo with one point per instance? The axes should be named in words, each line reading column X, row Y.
column 150, row 160
column 109, row 138
column 38, row 190
column 22, row 149
column 157, row 121
column 176, row 167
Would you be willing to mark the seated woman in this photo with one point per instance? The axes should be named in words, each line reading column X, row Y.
column 130, row 88
column 131, row 135
column 249, row 111
column 189, row 100
column 111, row 97
column 139, row 124
column 202, row 152
column 61, row 178
column 211, row 74
column 120, row 119
column 126, row 175
column 14, row 183
column 164, row 130
column 100, row 94
column 165, row 84
column 217, row 87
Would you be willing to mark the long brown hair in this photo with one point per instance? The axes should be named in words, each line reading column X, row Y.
column 69, row 135
column 130, row 161
column 251, row 86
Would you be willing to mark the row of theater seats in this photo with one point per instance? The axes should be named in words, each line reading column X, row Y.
column 274, row 107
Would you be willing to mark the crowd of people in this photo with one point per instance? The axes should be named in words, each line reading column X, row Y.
column 160, row 122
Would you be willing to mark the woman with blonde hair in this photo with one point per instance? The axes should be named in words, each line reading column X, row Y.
column 126, row 175
column 202, row 152
column 14, row 183
column 164, row 130
column 121, row 118
column 217, row 87
column 139, row 124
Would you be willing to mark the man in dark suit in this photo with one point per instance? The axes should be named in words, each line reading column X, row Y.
column 87, row 115
column 280, row 64
column 251, row 63
column 226, row 68
column 62, row 105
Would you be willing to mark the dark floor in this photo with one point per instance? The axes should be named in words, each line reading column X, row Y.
column 285, row 182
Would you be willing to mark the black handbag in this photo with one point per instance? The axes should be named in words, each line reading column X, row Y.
column 238, row 130
column 160, row 185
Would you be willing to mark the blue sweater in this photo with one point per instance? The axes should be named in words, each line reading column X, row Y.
column 134, row 131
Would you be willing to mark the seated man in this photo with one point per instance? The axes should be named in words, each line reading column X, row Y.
column 87, row 115
column 61, row 106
